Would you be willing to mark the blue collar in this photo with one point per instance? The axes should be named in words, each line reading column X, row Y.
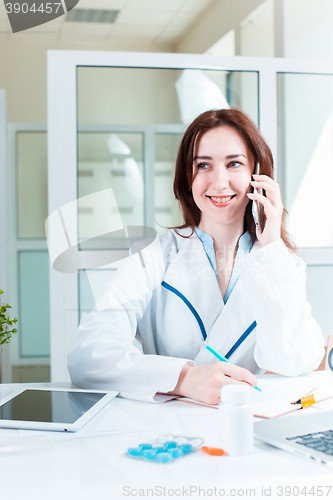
column 244, row 246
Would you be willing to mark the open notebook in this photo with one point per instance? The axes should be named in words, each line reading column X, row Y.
column 277, row 393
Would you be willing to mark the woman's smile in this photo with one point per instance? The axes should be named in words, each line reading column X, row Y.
column 221, row 201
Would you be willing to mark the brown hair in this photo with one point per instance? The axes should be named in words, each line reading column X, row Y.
column 182, row 185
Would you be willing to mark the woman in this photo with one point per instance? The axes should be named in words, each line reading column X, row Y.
column 214, row 278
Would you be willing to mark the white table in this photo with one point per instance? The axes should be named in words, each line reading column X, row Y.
column 34, row 467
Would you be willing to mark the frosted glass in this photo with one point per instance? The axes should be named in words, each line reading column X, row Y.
column 167, row 213
column 111, row 161
column 34, row 323
column 159, row 96
column 305, row 114
column 320, row 295
column 32, row 184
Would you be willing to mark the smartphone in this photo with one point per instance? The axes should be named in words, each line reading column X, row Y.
column 258, row 212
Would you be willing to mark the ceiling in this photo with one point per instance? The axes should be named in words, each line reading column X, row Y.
column 138, row 22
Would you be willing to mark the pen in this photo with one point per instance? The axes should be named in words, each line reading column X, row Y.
column 222, row 358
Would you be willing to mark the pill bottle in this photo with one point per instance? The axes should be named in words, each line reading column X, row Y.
column 236, row 420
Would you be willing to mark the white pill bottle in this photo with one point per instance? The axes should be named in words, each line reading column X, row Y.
column 236, row 420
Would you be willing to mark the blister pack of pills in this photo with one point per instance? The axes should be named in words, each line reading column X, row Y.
column 165, row 449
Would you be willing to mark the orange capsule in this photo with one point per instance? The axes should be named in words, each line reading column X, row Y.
column 218, row 452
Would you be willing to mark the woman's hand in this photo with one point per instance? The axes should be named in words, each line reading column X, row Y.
column 203, row 383
column 272, row 205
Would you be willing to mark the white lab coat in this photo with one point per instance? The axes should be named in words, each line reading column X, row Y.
column 270, row 291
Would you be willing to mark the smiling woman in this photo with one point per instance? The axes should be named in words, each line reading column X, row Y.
column 214, row 278
column 232, row 133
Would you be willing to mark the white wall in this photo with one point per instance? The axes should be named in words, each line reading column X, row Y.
column 257, row 31
column 221, row 17
column 308, row 32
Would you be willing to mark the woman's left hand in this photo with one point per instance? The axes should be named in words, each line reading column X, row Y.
column 272, row 205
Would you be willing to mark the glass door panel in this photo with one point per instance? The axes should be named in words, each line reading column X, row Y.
column 305, row 129
column 110, row 160
column 31, row 184
column 160, row 96
column 305, row 118
column 28, row 260
column 127, row 95
column 34, row 320
column 167, row 212
column 319, row 294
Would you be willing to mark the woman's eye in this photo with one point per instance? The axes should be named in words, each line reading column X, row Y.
column 234, row 164
column 202, row 166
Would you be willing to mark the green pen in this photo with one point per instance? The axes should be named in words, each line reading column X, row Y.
column 222, row 358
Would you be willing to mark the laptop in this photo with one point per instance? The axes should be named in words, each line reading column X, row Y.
column 52, row 409
column 309, row 435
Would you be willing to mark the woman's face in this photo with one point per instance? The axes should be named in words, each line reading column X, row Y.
column 222, row 169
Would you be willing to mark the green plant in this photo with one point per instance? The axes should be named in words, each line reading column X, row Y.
column 6, row 323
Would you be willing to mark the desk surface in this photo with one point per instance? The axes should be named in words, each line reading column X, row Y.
column 95, row 467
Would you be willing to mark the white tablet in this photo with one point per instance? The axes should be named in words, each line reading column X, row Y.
column 52, row 409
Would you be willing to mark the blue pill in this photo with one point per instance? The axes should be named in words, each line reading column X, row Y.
column 187, row 448
column 145, row 446
column 170, row 444
column 160, row 449
column 149, row 454
column 164, row 457
column 134, row 452
column 176, row 452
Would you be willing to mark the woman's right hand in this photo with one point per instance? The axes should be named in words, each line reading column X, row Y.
column 203, row 383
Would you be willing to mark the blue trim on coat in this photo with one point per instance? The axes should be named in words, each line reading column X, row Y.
column 200, row 322
column 241, row 339
column 189, row 305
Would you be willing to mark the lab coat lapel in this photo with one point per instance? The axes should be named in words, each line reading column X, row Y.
column 230, row 324
column 191, row 274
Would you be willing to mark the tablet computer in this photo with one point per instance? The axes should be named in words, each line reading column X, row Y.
column 52, row 409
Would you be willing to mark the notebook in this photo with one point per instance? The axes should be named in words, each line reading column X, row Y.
column 277, row 395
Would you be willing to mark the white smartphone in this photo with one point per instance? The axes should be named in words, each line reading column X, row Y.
column 258, row 212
